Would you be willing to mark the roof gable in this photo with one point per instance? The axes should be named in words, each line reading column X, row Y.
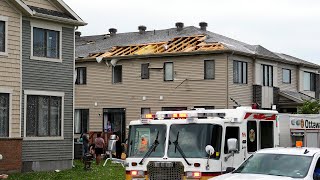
column 68, row 16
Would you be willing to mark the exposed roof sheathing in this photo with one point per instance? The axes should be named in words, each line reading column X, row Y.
column 152, row 42
column 176, row 45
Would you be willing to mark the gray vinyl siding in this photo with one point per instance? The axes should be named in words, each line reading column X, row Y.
column 241, row 93
column 288, row 86
column 188, row 89
column 49, row 76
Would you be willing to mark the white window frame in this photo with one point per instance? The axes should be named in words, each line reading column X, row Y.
column 5, row 19
column 9, row 91
column 113, row 74
column 48, row 26
column 43, row 93
column 314, row 85
column 286, row 69
column 266, row 79
column 165, row 71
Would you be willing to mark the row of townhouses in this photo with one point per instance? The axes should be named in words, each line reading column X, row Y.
column 50, row 93
column 121, row 76
column 36, row 84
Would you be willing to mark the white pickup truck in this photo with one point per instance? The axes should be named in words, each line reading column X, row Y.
column 278, row 164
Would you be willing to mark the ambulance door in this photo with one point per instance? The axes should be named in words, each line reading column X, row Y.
column 266, row 134
column 228, row 160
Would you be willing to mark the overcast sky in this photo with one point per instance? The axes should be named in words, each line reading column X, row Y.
column 286, row 26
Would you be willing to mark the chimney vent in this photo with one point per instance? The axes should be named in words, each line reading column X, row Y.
column 203, row 26
column 142, row 29
column 179, row 26
column 112, row 31
column 77, row 34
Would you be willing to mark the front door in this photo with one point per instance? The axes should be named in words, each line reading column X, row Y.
column 114, row 121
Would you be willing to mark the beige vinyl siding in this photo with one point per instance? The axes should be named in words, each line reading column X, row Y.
column 285, row 86
column 42, row 4
column 242, row 93
column 187, row 90
column 10, row 65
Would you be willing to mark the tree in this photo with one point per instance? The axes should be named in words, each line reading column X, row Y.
column 309, row 107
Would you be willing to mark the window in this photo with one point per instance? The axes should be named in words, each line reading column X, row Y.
column 46, row 43
column 4, row 114
column 208, row 69
column 267, row 74
column 204, row 107
column 286, row 76
column 145, row 71
column 240, row 72
column 145, row 111
column 231, row 132
column 266, row 134
column 43, row 116
column 2, row 36
column 81, row 120
column 168, row 71
column 173, row 108
column 117, row 74
column 252, row 136
column 309, row 81
column 81, row 75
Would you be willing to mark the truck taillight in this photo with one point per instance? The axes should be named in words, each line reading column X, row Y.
column 136, row 173
column 193, row 174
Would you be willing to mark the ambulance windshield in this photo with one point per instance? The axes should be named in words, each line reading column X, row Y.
column 193, row 138
column 142, row 137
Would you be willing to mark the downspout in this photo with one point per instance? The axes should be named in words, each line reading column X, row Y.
column 228, row 78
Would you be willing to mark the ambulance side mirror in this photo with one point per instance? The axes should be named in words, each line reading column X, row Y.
column 232, row 144
column 210, row 150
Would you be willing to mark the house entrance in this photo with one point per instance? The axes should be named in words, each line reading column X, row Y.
column 114, row 121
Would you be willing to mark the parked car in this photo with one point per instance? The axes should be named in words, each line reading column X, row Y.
column 278, row 163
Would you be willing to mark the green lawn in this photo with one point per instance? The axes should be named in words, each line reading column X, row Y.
column 110, row 171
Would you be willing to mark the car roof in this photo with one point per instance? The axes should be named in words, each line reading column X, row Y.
column 304, row 151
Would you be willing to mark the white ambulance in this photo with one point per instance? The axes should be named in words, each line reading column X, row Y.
column 197, row 144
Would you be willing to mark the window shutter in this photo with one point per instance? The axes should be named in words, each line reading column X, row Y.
column 78, row 75
column 84, row 75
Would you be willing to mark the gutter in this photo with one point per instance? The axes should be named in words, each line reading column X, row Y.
column 88, row 59
column 153, row 55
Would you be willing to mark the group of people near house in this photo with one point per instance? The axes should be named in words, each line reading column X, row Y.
column 97, row 148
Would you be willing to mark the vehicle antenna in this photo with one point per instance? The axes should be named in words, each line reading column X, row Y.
column 306, row 151
column 235, row 102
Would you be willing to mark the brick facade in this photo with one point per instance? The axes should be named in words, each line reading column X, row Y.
column 10, row 149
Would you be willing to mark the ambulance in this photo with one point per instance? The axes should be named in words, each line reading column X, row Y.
column 198, row 143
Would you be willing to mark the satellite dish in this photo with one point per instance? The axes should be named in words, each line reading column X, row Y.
column 99, row 59
column 114, row 62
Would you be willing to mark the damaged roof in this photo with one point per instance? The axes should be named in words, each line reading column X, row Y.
column 122, row 44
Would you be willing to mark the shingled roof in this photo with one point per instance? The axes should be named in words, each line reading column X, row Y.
column 106, row 45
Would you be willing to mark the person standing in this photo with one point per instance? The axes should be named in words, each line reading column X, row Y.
column 118, row 147
column 99, row 146
column 85, row 143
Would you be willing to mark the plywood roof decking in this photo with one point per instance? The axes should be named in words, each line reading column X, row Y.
column 176, row 45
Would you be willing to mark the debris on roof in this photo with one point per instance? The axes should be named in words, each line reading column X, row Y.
column 176, row 45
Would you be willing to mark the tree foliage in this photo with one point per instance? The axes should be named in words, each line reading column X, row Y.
column 309, row 107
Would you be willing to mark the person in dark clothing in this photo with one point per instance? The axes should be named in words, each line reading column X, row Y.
column 118, row 147
column 85, row 143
